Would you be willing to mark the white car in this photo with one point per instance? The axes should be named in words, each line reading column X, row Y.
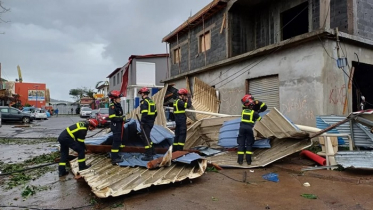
column 40, row 114
column 85, row 112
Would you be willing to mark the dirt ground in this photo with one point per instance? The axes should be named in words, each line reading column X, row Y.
column 214, row 190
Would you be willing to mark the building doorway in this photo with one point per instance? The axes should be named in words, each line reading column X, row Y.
column 362, row 86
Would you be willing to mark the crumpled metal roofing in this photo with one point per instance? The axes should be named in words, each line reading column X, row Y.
column 262, row 157
column 134, row 159
column 158, row 134
column 355, row 159
column 276, row 125
column 287, row 139
column 189, row 158
column 107, row 180
column 361, row 134
column 229, row 132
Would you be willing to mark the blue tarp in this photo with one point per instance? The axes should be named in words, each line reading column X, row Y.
column 134, row 159
column 229, row 132
column 159, row 135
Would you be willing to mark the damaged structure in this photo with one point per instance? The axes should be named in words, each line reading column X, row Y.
column 297, row 56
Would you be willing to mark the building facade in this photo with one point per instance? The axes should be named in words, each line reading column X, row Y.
column 297, row 56
column 140, row 71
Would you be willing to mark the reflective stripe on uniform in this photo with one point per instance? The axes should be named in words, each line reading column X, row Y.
column 176, row 108
column 240, row 153
column 262, row 104
column 175, row 143
column 259, row 118
column 81, row 160
column 114, row 150
column 62, row 164
column 247, row 116
column 80, row 140
column 249, row 153
column 147, row 147
column 181, row 144
column 111, row 116
column 78, row 127
column 122, row 146
column 151, row 107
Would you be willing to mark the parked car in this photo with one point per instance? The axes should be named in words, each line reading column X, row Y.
column 85, row 112
column 93, row 114
column 32, row 113
column 40, row 114
column 102, row 117
column 13, row 114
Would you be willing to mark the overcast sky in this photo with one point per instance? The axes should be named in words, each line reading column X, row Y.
column 70, row 44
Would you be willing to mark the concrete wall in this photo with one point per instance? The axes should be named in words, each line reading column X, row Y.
column 335, row 81
column 190, row 56
column 364, row 18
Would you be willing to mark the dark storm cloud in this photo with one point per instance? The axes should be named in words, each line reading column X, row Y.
column 68, row 44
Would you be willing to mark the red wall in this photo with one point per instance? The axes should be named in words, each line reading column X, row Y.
column 27, row 92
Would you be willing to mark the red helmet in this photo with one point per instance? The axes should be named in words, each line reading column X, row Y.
column 144, row 90
column 249, row 103
column 115, row 94
column 93, row 123
column 251, row 96
column 182, row 91
column 246, row 98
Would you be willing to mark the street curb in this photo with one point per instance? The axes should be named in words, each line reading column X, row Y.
column 331, row 177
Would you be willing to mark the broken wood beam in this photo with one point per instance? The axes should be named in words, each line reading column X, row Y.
column 207, row 113
column 155, row 163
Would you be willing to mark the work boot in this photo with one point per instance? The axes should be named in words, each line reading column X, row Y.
column 116, row 160
column 148, row 155
column 62, row 171
column 83, row 166
column 248, row 159
column 175, row 148
column 240, row 159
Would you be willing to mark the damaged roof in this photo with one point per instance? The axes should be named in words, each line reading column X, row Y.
column 107, row 180
column 355, row 159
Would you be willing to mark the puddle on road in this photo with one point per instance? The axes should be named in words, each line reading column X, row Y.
column 16, row 153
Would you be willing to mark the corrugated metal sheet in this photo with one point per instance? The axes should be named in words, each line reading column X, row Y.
column 355, row 159
column 158, row 135
column 189, row 158
column 262, row 157
column 266, row 89
column 108, row 180
column 134, row 159
column 229, row 131
column 272, row 124
column 276, row 125
column 360, row 132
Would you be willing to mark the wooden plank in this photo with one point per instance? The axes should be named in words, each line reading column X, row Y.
column 222, row 24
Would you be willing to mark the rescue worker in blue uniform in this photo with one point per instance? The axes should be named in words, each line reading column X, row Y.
column 148, row 112
column 73, row 137
column 245, row 139
column 116, row 125
column 259, row 106
column 179, row 105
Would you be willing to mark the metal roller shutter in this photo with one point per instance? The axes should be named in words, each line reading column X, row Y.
column 266, row 89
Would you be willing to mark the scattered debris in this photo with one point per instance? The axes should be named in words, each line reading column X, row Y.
column 306, row 184
column 273, row 177
column 214, row 199
column 309, row 196
column 318, row 159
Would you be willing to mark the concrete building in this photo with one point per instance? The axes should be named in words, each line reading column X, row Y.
column 295, row 55
column 139, row 71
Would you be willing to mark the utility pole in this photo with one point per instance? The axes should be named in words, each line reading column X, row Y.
column 36, row 103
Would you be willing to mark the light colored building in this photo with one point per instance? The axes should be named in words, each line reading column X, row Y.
column 283, row 52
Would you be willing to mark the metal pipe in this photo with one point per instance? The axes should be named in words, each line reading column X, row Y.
column 207, row 113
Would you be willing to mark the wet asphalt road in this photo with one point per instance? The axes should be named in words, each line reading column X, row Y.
column 38, row 129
